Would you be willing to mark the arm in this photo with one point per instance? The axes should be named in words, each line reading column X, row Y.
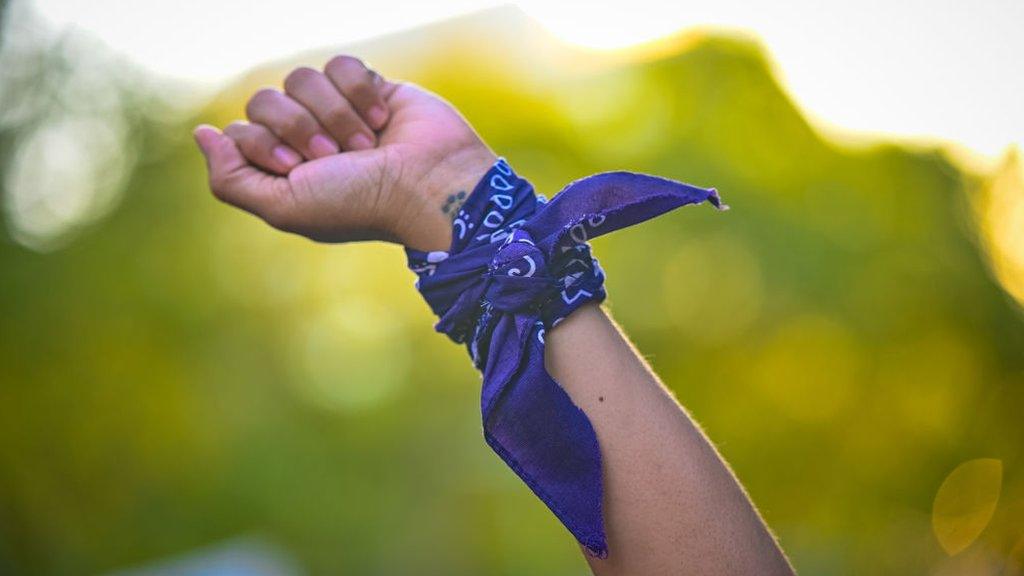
column 672, row 505
column 344, row 155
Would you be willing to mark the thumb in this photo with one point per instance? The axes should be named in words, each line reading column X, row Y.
column 232, row 179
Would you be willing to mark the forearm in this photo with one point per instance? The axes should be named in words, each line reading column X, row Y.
column 671, row 504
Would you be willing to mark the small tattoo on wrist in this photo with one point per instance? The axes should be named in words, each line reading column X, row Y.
column 453, row 202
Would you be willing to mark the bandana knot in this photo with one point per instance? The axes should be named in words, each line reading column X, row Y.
column 518, row 279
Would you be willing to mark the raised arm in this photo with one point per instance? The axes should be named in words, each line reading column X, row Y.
column 345, row 155
column 672, row 506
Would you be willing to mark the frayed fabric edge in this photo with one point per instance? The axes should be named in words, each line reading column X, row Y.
column 716, row 201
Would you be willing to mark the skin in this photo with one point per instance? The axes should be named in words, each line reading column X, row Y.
column 343, row 154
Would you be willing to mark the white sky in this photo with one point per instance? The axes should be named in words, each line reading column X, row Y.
column 948, row 69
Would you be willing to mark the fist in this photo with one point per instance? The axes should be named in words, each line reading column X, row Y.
column 343, row 154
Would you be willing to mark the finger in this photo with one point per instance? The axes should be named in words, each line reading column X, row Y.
column 314, row 91
column 234, row 181
column 290, row 122
column 360, row 86
column 261, row 147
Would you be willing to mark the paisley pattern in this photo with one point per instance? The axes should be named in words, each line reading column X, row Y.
column 517, row 266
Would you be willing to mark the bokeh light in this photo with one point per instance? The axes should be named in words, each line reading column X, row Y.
column 965, row 503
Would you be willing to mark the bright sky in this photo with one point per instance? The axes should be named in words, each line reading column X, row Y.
column 948, row 69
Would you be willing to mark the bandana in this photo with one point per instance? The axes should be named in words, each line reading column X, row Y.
column 517, row 266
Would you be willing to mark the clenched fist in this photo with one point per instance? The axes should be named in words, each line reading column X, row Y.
column 344, row 154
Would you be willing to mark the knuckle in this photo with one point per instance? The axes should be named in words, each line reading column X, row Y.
column 236, row 129
column 296, row 125
column 343, row 65
column 362, row 91
column 340, row 117
column 299, row 77
column 227, row 188
column 261, row 98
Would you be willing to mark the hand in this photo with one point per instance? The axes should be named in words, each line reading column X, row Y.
column 346, row 155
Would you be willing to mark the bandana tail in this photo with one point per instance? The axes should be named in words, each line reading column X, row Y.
column 549, row 442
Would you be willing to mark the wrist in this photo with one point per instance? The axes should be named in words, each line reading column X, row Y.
column 441, row 192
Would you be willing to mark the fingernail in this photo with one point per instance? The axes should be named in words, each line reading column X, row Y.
column 377, row 116
column 359, row 141
column 286, row 156
column 321, row 146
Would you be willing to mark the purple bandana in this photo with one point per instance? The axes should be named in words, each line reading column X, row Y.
column 517, row 266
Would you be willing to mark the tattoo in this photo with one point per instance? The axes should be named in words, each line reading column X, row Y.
column 453, row 203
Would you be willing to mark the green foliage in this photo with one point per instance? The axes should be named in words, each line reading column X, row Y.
column 180, row 373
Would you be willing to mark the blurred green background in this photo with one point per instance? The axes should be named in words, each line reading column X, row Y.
column 174, row 373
